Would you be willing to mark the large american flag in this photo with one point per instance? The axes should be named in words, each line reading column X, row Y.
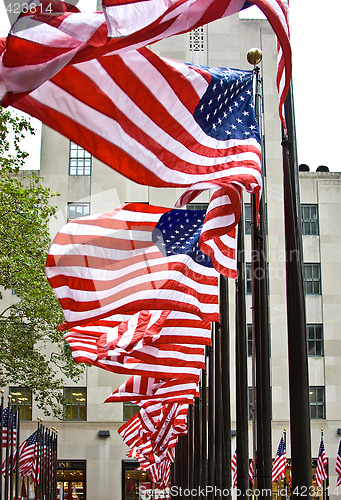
column 53, row 34
column 140, row 388
column 338, row 466
column 280, row 462
column 133, row 258
column 157, row 121
column 177, row 353
column 321, row 472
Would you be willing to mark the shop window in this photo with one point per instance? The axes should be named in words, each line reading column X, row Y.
column 71, row 480
column 137, row 484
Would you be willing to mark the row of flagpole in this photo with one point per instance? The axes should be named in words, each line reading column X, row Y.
column 34, row 460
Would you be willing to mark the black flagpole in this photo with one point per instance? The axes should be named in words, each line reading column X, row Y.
column 241, row 367
column 260, row 321
column 211, row 435
column 17, row 445
column 225, row 378
column 204, row 458
column 218, row 408
column 7, row 447
column 296, row 318
column 1, row 432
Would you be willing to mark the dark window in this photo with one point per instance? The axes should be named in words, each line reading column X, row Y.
column 317, row 402
column 250, row 402
column 197, row 206
column 75, row 406
column 258, row 274
column 22, row 396
column 310, row 219
column 248, row 278
column 79, row 161
column 312, row 279
column 77, row 209
column 247, row 218
column 315, row 339
column 249, row 339
column 129, row 410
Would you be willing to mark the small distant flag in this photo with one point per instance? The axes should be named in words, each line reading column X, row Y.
column 279, row 465
column 251, row 472
column 234, row 469
column 6, row 422
column 321, row 473
column 338, row 466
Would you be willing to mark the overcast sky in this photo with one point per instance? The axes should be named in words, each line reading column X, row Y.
column 314, row 27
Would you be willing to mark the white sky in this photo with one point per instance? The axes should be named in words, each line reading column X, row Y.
column 314, row 27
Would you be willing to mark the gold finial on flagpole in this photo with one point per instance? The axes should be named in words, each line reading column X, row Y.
column 254, row 56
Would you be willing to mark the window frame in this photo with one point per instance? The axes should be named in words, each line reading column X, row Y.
column 81, row 391
column 130, row 407
column 318, row 403
column 81, row 204
column 311, row 221
column 313, row 281
column 315, row 340
column 25, row 409
column 79, row 170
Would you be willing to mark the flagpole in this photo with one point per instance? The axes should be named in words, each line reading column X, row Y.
column 7, row 448
column 285, row 447
column 225, row 381
column 17, row 452
column 296, row 317
column 260, row 319
column 2, row 430
column 323, row 480
column 211, row 456
column 241, row 366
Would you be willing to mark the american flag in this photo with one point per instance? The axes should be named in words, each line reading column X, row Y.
column 251, row 472
column 28, row 452
column 134, row 258
column 61, row 35
column 9, row 419
column 338, row 466
column 177, row 353
column 321, row 472
column 280, row 462
column 234, row 469
column 140, row 388
column 156, row 121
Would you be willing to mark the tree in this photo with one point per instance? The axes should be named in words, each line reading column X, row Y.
column 33, row 352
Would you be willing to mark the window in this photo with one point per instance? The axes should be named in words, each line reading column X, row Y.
column 196, row 40
column 75, row 406
column 129, row 410
column 79, row 160
column 312, row 279
column 247, row 218
column 22, row 396
column 317, row 402
column 77, row 209
column 249, row 339
column 248, row 278
column 310, row 219
column 197, row 206
column 315, row 339
column 250, row 402
column 259, row 274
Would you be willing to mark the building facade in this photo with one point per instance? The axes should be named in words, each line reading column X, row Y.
column 91, row 453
